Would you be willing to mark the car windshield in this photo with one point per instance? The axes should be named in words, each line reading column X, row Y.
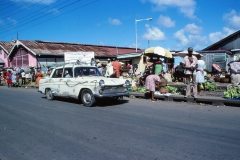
column 86, row 71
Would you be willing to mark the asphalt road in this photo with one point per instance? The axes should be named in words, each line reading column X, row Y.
column 32, row 127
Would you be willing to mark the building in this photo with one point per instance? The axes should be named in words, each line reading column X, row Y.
column 223, row 51
column 45, row 54
column 5, row 48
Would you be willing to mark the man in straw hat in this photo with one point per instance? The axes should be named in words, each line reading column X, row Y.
column 189, row 63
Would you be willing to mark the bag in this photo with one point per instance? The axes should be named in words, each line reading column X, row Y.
column 10, row 77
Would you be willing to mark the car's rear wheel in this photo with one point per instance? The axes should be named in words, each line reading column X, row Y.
column 49, row 94
column 87, row 98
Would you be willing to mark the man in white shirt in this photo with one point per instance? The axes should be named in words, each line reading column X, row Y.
column 189, row 63
column 23, row 75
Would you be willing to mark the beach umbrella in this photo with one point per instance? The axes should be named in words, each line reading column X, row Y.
column 168, row 55
column 217, row 67
column 184, row 53
column 157, row 51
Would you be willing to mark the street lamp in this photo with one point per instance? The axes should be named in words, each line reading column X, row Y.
column 138, row 20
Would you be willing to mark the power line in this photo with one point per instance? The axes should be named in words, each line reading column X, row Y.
column 35, row 13
column 41, row 16
column 21, row 9
column 15, row 3
column 10, row 3
column 54, row 17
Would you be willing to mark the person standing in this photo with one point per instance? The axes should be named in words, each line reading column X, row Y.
column 39, row 76
column 150, row 84
column 9, row 78
column 190, row 64
column 130, row 70
column 158, row 67
column 109, row 68
column 23, row 76
column 117, row 67
column 200, row 74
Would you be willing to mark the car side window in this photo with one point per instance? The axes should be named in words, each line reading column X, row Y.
column 68, row 73
column 57, row 73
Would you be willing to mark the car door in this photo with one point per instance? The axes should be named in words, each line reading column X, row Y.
column 56, row 80
column 68, row 83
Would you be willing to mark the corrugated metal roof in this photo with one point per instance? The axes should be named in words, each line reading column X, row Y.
column 7, row 46
column 55, row 48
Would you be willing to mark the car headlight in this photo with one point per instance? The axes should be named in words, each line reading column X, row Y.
column 101, row 83
column 127, row 82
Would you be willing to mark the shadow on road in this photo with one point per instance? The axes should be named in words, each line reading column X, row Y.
column 99, row 102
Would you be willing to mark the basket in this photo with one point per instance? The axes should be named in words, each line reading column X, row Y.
column 163, row 82
column 217, row 79
column 163, row 90
column 225, row 80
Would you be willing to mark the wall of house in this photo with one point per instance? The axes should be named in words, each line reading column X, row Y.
column 32, row 60
column 3, row 56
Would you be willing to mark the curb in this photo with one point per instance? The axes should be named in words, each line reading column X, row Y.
column 215, row 101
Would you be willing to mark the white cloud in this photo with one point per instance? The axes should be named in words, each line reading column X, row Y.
column 190, row 36
column 12, row 21
column 187, row 7
column 153, row 33
column 114, row 21
column 192, row 29
column 179, row 35
column 233, row 19
column 37, row 1
column 217, row 36
column 165, row 21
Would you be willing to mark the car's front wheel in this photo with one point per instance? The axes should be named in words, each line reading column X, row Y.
column 87, row 98
column 49, row 94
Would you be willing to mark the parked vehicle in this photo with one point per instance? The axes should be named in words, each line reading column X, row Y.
column 82, row 82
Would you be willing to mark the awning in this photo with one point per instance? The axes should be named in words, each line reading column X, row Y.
column 130, row 55
column 1, row 61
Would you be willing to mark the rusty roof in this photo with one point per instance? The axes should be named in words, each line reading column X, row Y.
column 7, row 46
column 56, row 48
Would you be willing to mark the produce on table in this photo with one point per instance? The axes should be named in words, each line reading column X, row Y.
column 210, row 86
column 171, row 89
column 232, row 93
column 139, row 89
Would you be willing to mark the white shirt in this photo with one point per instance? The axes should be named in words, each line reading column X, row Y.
column 23, row 74
column 201, row 64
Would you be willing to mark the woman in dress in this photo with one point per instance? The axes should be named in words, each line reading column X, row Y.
column 151, row 80
column 14, row 79
column 9, row 78
column 200, row 74
column 38, row 76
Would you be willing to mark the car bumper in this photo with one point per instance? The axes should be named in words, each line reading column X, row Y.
column 111, row 95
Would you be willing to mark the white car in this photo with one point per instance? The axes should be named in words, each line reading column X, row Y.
column 82, row 82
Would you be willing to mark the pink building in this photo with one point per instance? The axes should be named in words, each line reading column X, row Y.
column 45, row 54
column 5, row 48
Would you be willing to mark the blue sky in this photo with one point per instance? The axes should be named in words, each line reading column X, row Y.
column 175, row 24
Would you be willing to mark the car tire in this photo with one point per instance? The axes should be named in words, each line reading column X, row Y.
column 49, row 94
column 87, row 98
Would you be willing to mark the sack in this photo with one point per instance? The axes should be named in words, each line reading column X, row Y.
column 168, row 77
column 163, row 82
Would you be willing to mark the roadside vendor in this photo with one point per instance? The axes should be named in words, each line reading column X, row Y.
column 190, row 64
